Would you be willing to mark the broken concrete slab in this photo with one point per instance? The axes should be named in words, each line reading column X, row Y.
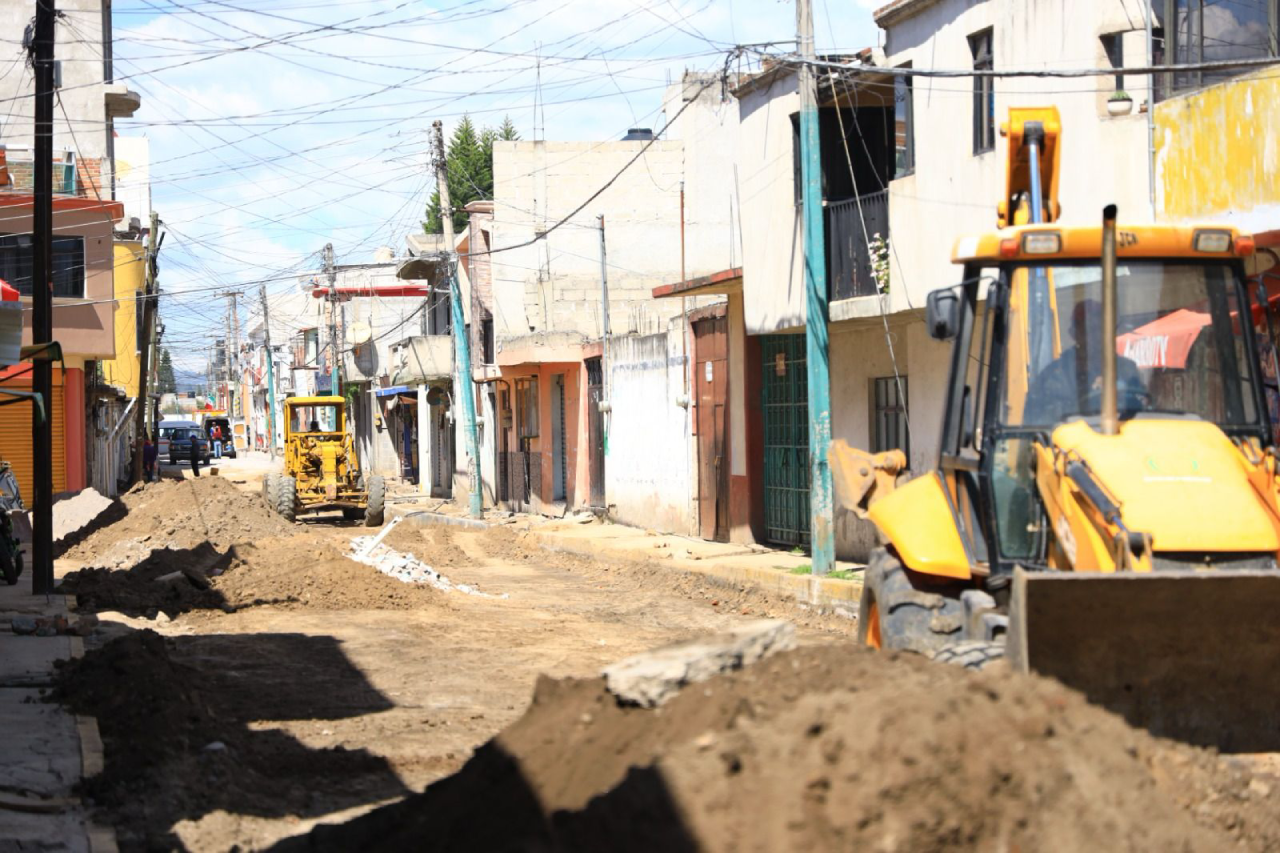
column 651, row 678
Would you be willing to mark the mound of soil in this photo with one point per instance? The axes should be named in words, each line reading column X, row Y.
column 179, row 514
column 177, row 743
column 822, row 749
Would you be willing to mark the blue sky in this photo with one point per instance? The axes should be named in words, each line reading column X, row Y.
column 276, row 127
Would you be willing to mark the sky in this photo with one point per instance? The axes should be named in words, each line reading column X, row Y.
column 276, row 127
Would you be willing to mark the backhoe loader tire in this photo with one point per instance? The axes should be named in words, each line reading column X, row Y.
column 373, row 512
column 909, row 619
column 971, row 654
column 269, row 489
column 287, row 498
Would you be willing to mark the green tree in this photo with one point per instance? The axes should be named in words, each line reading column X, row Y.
column 469, row 171
column 166, row 383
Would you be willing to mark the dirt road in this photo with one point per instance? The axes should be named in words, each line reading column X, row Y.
column 302, row 684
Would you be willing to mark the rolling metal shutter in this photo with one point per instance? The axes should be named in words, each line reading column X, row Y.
column 15, row 437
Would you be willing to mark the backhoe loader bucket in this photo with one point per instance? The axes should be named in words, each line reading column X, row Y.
column 1190, row 655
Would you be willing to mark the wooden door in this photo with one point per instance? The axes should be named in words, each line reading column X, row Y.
column 711, row 379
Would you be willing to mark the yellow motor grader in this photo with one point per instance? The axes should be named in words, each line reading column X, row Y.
column 321, row 471
column 1106, row 507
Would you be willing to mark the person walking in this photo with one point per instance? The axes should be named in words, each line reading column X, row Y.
column 149, row 454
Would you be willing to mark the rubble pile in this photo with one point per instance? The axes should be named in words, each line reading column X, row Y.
column 827, row 748
column 405, row 568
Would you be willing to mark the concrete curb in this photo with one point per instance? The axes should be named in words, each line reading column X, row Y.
column 422, row 518
column 839, row 597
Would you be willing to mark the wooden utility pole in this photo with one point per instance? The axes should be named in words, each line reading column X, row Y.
column 331, row 275
column 42, row 300
column 462, row 391
column 271, row 378
column 144, row 358
column 821, row 521
column 604, row 316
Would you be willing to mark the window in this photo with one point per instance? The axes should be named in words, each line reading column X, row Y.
column 527, row 407
column 904, row 143
column 16, row 260
column 889, row 431
column 1216, row 31
column 984, row 94
column 1113, row 45
column 486, row 340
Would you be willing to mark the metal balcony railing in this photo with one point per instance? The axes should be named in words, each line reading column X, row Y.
column 849, row 225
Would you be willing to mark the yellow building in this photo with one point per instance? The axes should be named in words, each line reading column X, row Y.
column 130, row 282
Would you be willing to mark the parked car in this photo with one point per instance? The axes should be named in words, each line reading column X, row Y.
column 228, row 440
column 177, row 438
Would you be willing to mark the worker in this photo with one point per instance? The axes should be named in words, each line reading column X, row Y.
column 1072, row 383
column 215, row 434
column 195, row 453
column 149, row 454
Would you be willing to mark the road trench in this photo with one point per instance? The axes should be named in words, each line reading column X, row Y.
column 302, row 689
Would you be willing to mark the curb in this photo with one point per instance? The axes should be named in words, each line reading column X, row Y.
column 422, row 518
column 829, row 595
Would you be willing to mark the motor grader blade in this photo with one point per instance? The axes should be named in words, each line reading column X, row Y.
column 1190, row 655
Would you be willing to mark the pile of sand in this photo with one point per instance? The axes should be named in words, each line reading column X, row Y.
column 829, row 748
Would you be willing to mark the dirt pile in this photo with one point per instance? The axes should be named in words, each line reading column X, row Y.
column 179, row 514
column 177, row 740
column 828, row 748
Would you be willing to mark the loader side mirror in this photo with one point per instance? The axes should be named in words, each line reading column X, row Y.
column 942, row 313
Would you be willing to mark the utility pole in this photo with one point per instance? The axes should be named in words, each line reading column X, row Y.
column 235, row 354
column 821, row 523
column 604, row 315
column 271, row 378
column 331, row 274
column 42, row 299
column 460, row 343
column 144, row 359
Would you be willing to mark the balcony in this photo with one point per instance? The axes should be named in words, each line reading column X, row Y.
column 421, row 359
column 849, row 224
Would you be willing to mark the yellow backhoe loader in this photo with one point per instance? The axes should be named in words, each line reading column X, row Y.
column 1106, row 507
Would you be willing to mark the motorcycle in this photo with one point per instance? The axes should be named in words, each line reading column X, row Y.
column 10, row 547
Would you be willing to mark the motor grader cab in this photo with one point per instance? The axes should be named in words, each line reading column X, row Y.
column 321, row 471
column 1106, row 508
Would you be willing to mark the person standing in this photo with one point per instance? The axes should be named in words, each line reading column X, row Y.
column 149, row 454
column 215, row 435
column 195, row 453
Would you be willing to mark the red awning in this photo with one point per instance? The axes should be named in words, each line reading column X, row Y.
column 1165, row 342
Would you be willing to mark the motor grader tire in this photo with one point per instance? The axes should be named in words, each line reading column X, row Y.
column 971, row 654
column 287, row 498
column 373, row 511
column 895, row 615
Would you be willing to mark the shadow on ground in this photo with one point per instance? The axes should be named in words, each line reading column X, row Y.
column 175, row 716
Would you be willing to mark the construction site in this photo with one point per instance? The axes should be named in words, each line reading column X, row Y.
column 264, row 685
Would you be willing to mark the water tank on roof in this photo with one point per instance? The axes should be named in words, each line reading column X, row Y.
column 638, row 134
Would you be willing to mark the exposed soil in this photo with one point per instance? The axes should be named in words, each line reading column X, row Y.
column 824, row 749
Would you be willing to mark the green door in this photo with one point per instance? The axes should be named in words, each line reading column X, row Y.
column 785, row 405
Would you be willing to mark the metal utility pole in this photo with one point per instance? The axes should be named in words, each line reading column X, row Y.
column 461, row 345
column 604, row 314
column 331, row 274
column 821, row 524
column 42, row 299
column 144, row 359
column 271, row 378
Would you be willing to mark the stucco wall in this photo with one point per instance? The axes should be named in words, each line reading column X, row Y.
column 772, row 251
column 123, row 370
column 1218, row 154
column 647, row 470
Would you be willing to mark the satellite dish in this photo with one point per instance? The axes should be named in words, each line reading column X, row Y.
column 358, row 333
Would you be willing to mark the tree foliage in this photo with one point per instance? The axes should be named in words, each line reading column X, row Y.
column 166, row 382
column 469, row 171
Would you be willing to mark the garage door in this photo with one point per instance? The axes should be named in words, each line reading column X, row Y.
column 15, row 436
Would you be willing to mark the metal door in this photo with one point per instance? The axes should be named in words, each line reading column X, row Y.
column 711, row 384
column 785, row 405
column 595, row 430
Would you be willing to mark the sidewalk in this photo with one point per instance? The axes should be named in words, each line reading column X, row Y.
column 779, row 572
column 44, row 750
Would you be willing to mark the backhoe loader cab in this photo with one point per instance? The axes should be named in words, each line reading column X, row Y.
column 321, row 471
column 1106, row 508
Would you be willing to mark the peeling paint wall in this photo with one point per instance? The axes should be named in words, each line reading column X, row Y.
column 1218, row 154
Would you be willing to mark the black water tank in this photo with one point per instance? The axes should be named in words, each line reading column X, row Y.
column 638, row 134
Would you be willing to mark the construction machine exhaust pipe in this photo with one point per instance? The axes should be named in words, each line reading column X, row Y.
column 1110, row 410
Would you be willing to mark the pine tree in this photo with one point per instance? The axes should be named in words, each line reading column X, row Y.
column 469, row 170
column 166, row 383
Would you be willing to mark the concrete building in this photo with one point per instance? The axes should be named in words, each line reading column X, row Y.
column 912, row 163
column 546, row 372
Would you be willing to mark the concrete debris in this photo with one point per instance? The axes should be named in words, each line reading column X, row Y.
column 52, row 626
column 405, row 567
column 215, row 746
column 74, row 513
column 651, row 678
column 23, row 625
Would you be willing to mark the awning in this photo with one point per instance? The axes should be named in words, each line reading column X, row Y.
column 393, row 390
column 725, row 281
column 1165, row 342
